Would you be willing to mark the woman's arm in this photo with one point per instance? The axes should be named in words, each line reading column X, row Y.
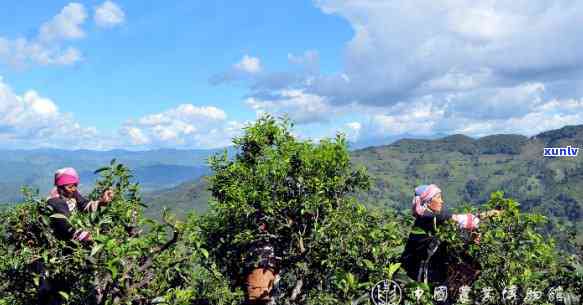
column 466, row 221
column 87, row 205
column 470, row 222
column 92, row 205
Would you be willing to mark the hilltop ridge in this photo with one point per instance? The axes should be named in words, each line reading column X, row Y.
column 467, row 169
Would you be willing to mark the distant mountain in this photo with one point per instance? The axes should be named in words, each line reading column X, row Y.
column 155, row 169
column 180, row 200
column 374, row 142
column 131, row 158
column 467, row 170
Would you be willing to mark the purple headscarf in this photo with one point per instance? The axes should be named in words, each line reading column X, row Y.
column 423, row 195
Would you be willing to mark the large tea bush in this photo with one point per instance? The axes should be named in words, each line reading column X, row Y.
column 300, row 192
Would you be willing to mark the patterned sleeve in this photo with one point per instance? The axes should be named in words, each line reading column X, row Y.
column 87, row 205
column 466, row 221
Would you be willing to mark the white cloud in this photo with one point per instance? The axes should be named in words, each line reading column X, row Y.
column 43, row 107
column 31, row 120
column 420, row 68
column 108, row 15
column 65, row 25
column 309, row 61
column 354, row 126
column 497, row 103
column 405, row 49
column 352, row 131
column 417, row 118
column 485, row 23
column 46, row 48
column 301, row 107
column 552, row 114
column 67, row 57
column 309, row 57
column 186, row 126
column 248, row 68
column 186, row 113
column 136, row 135
column 428, row 115
column 249, row 65
column 458, row 81
column 20, row 52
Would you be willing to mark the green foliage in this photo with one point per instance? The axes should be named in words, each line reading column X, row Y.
column 299, row 196
column 130, row 260
column 530, row 258
column 501, row 144
column 327, row 241
column 513, row 251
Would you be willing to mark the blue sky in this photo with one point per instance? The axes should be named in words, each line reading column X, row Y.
column 190, row 74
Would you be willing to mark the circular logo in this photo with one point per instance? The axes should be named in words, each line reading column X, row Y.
column 386, row 293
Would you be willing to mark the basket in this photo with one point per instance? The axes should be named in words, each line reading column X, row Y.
column 259, row 283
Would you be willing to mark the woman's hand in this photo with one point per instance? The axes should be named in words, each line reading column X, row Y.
column 107, row 197
column 476, row 237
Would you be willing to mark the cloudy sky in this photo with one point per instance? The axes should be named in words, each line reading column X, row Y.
column 190, row 74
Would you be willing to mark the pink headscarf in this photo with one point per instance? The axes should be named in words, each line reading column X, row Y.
column 423, row 195
column 64, row 176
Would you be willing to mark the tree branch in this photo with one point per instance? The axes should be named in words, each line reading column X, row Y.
column 147, row 279
column 360, row 299
column 149, row 261
column 297, row 289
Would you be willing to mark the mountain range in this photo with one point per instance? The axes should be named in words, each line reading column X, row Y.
column 154, row 170
column 466, row 169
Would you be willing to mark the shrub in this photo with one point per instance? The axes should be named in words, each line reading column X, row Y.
column 131, row 260
column 331, row 247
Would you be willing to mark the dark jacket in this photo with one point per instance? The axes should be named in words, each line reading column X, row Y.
column 61, row 227
column 424, row 248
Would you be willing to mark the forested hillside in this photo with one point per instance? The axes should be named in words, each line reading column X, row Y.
column 467, row 169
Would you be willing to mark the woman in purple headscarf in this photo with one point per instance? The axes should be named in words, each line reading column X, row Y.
column 424, row 258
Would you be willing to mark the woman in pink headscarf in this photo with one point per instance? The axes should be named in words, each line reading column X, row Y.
column 424, row 258
column 65, row 199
